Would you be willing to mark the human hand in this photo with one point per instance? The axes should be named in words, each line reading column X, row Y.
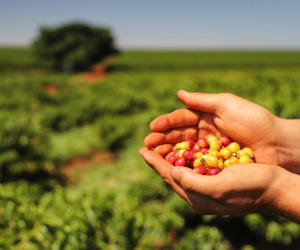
column 226, row 114
column 238, row 189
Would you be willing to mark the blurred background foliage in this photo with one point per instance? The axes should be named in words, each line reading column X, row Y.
column 73, row 46
column 50, row 119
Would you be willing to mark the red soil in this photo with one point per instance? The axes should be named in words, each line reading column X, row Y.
column 50, row 89
column 93, row 76
column 98, row 71
column 76, row 167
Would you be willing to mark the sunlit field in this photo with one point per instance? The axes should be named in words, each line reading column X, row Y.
column 70, row 172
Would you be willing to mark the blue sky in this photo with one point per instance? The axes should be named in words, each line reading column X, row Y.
column 162, row 24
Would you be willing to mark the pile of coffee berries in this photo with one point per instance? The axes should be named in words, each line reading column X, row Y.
column 209, row 155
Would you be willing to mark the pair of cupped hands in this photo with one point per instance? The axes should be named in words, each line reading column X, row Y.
column 271, row 185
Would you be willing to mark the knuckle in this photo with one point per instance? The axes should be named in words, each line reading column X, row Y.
column 221, row 196
column 166, row 180
column 186, row 183
column 226, row 95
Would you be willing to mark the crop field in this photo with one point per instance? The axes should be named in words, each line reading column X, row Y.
column 70, row 173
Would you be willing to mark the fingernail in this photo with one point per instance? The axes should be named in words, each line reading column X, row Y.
column 183, row 91
column 141, row 151
column 175, row 173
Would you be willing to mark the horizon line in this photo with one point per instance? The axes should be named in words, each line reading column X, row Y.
column 183, row 48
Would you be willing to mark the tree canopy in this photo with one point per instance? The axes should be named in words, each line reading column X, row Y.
column 74, row 46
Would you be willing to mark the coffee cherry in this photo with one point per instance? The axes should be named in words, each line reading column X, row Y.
column 226, row 163
column 198, row 154
column 213, row 171
column 233, row 160
column 191, row 142
column 225, row 153
column 234, row 147
column 182, row 146
column 177, row 146
column 176, row 154
column 198, row 162
column 185, row 145
column 204, row 157
column 190, row 163
column 200, row 170
column 188, row 155
column 202, row 142
column 214, row 152
column 245, row 159
column 212, row 138
column 225, row 141
column 240, row 153
column 221, row 164
column 248, row 151
column 203, row 150
column 180, row 152
column 214, row 145
column 180, row 162
column 211, row 161
column 196, row 148
column 172, row 159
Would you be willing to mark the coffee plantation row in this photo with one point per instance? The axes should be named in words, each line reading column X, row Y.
column 123, row 204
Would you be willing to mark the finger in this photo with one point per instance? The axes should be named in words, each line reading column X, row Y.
column 172, row 136
column 191, row 182
column 210, row 103
column 207, row 126
column 162, row 167
column 157, row 162
column 176, row 119
column 164, row 150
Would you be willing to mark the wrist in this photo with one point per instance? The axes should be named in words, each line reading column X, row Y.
column 284, row 195
column 288, row 144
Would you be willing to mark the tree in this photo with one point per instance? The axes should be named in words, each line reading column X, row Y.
column 73, row 47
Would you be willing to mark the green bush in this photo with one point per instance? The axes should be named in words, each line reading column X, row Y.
column 23, row 150
column 122, row 212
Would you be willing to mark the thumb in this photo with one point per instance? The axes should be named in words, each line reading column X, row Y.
column 210, row 103
column 193, row 182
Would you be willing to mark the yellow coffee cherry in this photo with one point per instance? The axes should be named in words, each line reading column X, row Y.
column 182, row 145
column 248, row 151
column 226, row 163
column 234, row 147
column 225, row 153
column 180, row 152
column 211, row 161
column 198, row 162
column 221, row 164
column 213, row 152
column 214, row 145
column 198, row 155
column 233, row 160
column 212, row 138
column 240, row 153
column 185, row 145
column 177, row 146
column 245, row 159
column 204, row 157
